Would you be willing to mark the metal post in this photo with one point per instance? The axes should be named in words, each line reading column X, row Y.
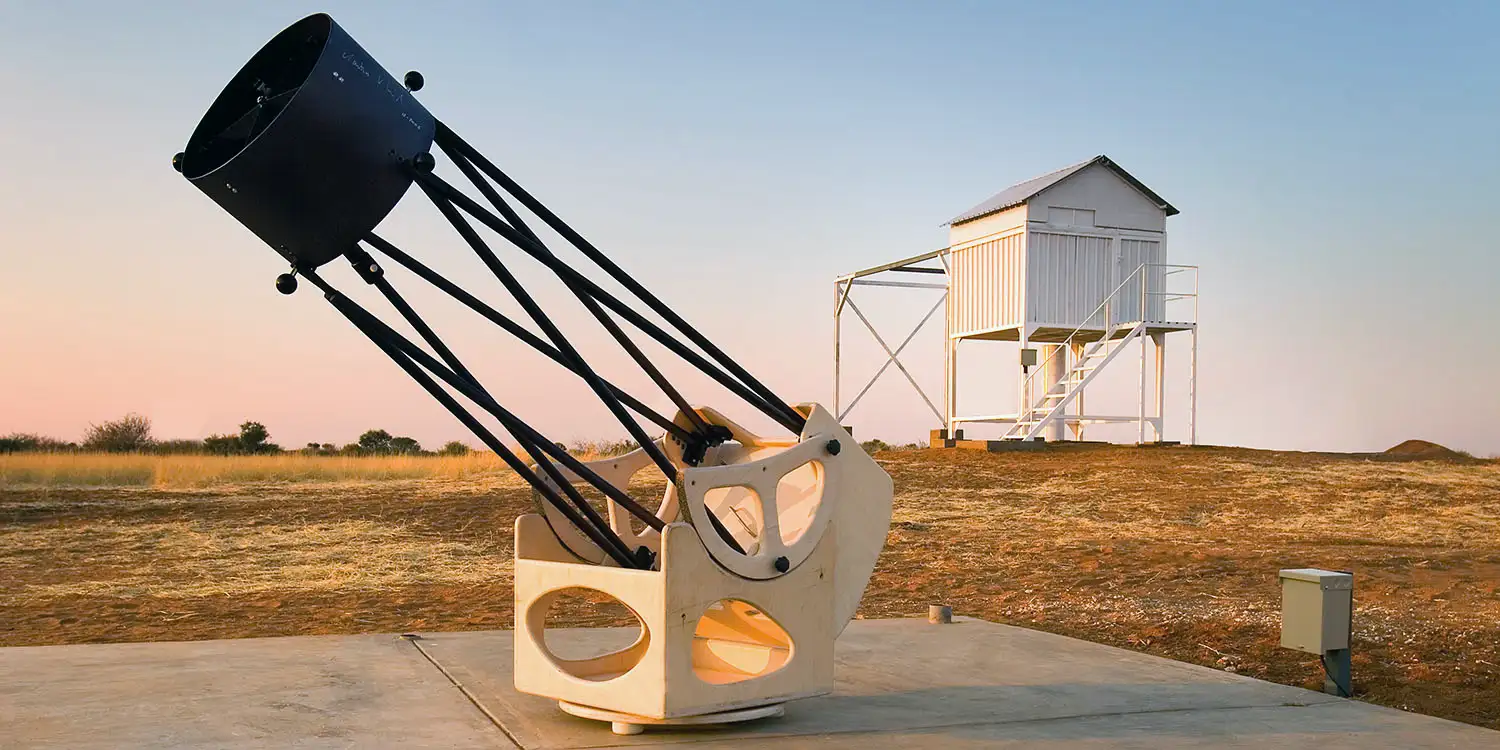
column 953, row 345
column 1141, row 401
column 1078, row 349
column 1338, row 673
column 948, row 362
column 1160, row 340
column 1141, row 424
column 1056, row 359
column 1193, row 389
column 1193, row 371
column 837, row 316
column 1023, row 391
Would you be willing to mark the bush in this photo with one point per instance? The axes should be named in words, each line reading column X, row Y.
column 455, row 448
column 178, row 447
column 603, row 447
column 382, row 443
column 375, row 441
column 22, row 442
column 876, row 444
column 222, row 445
column 253, row 437
column 130, row 433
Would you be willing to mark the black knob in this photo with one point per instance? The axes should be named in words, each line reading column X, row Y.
column 782, row 564
column 423, row 162
column 286, row 283
column 833, row 447
column 177, row 161
column 413, row 80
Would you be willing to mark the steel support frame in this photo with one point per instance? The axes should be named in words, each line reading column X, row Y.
column 843, row 288
column 1155, row 418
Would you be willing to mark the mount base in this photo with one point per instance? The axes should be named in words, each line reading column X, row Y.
column 628, row 724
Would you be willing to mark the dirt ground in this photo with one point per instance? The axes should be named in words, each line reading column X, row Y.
column 1171, row 551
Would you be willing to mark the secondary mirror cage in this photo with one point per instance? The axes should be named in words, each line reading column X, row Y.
column 313, row 143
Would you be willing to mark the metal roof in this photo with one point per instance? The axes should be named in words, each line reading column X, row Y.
column 1021, row 192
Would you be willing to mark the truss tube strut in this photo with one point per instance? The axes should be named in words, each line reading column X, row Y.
column 528, row 436
column 515, row 329
column 540, row 446
column 360, row 318
column 782, row 415
column 700, row 427
column 534, row 311
column 525, row 432
column 447, row 136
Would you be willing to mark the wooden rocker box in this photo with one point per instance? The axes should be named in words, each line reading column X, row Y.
column 720, row 630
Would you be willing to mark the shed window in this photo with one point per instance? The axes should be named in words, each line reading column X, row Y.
column 1070, row 217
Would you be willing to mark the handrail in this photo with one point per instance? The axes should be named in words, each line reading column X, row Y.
column 1028, row 407
column 1027, row 414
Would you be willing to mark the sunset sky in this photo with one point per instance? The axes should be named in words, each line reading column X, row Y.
column 1335, row 164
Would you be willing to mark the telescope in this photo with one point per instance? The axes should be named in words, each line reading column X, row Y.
column 755, row 557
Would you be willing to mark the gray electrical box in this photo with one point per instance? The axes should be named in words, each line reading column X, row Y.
column 1028, row 358
column 1315, row 609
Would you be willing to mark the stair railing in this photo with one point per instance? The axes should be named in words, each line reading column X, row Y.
column 1029, row 408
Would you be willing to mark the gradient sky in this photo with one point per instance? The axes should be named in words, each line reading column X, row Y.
column 1334, row 163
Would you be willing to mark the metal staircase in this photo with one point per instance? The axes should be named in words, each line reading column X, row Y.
column 1054, row 403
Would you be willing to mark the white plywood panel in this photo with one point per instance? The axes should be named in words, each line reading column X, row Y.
column 988, row 285
column 1068, row 276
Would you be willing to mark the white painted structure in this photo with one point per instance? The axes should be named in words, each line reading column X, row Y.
column 1073, row 262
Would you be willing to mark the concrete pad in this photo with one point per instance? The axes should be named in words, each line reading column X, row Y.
column 900, row 684
column 308, row 692
column 906, row 683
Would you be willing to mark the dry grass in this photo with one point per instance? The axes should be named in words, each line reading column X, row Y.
column 187, row 559
column 31, row 470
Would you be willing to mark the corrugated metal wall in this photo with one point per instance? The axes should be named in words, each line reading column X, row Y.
column 1068, row 276
column 1128, row 305
column 987, row 284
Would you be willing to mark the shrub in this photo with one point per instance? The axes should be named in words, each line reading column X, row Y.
column 177, row 447
column 375, row 441
column 454, row 448
column 404, row 446
column 130, row 433
column 223, row 445
column 603, row 447
column 23, row 442
column 876, row 445
column 253, row 437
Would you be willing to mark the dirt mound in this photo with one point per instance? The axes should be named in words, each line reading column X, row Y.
column 1423, row 449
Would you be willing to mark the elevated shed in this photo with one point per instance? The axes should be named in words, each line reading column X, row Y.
column 1072, row 262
